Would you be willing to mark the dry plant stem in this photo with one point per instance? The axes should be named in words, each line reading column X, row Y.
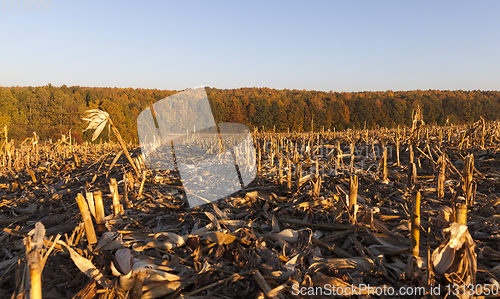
column 36, row 281
column 299, row 175
column 231, row 278
column 77, row 161
column 353, row 197
column 441, row 176
column 415, row 224
column 35, row 270
column 124, row 146
column 411, row 154
column 339, row 154
column 468, row 179
column 141, row 188
column 461, row 211
column 259, row 166
column 397, row 152
column 412, row 175
column 264, row 286
column 351, row 166
column 384, row 171
column 99, row 212
column 87, row 221
column 125, row 191
column 113, row 187
column 289, row 174
column 280, row 171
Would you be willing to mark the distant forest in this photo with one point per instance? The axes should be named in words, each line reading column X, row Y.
column 51, row 111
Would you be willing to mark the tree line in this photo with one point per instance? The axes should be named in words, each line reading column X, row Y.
column 51, row 111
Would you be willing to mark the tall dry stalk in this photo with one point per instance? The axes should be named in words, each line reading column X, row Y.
column 351, row 165
column 417, row 124
column 384, row 166
column 280, row 172
column 415, row 224
column 412, row 175
column 441, row 177
column 113, row 188
column 97, row 120
column 125, row 191
column 398, row 163
column 87, row 220
column 468, row 179
column 299, row 175
column 353, row 198
column 289, row 174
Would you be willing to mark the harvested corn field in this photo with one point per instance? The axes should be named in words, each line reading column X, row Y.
column 330, row 213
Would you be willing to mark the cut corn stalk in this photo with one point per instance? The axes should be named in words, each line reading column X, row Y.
column 353, row 198
column 415, row 224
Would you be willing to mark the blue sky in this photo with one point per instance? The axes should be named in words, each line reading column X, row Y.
column 319, row 45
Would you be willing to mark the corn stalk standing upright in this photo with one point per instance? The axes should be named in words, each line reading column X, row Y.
column 415, row 224
column 468, row 179
column 97, row 120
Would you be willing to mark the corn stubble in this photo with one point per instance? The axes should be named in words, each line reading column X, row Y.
column 412, row 207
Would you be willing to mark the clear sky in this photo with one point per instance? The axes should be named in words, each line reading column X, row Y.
column 320, row 45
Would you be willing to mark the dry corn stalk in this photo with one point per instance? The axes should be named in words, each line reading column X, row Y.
column 316, row 186
column 280, row 173
column 468, row 179
column 90, row 202
column 461, row 212
column 87, row 221
column 99, row 212
column 353, row 197
column 299, row 175
column 37, row 255
column 351, row 165
column 417, row 124
column 398, row 163
column 412, row 175
column 97, row 120
column 125, row 191
column 289, row 174
column 384, row 166
column 412, row 158
column 113, row 188
column 441, row 176
column 415, row 224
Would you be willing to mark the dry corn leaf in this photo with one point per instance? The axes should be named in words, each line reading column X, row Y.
column 221, row 214
column 162, row 290
column 289, row 235
column 282, row 274
column 443, row 256
column 87, row 267
column 276, row 291
column 292, row 263
column 220, row 238
column 171, row 240
column 275, row 225
column 213, row 219
column 124, row 260
column 157, row 275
